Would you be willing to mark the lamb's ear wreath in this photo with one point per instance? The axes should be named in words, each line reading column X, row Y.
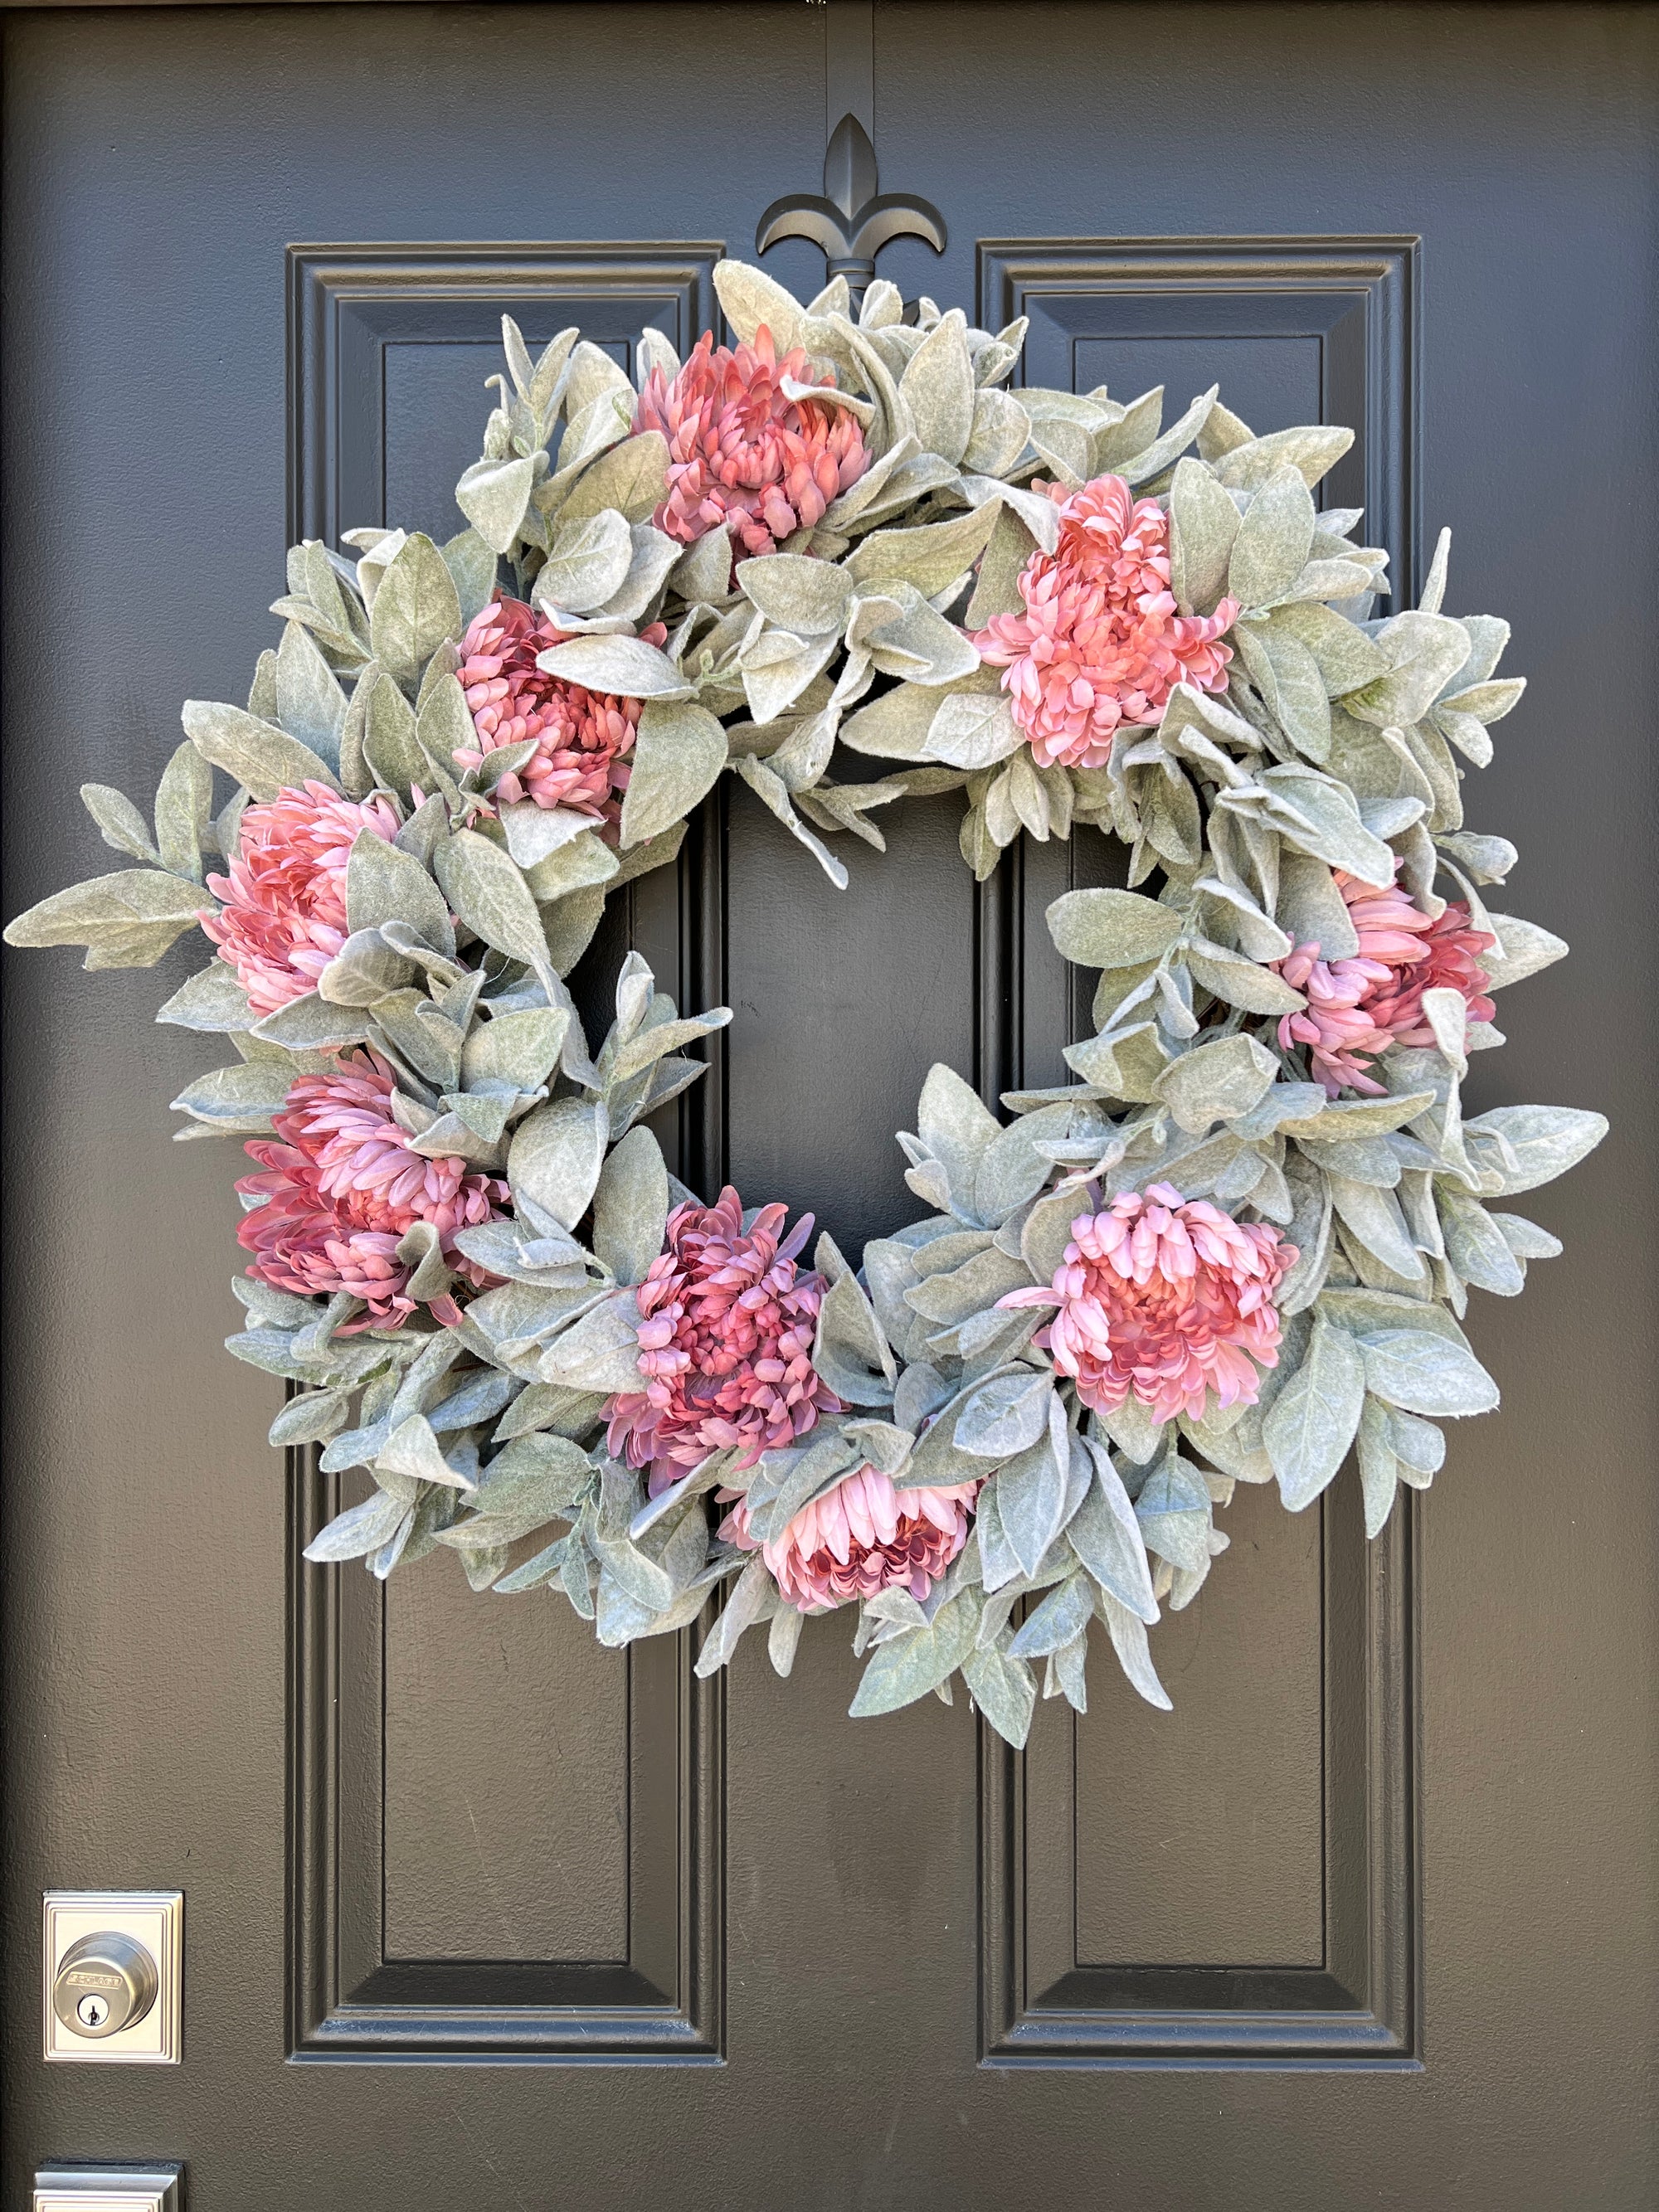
column 846, row 562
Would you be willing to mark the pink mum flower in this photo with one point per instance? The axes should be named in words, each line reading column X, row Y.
column 740, row 451
column 1359, row 1006
column 284, row 910
column 1100, row 645
column 725, row 1343
column 583, row 738
column 341, row 1188
column 1167, row 1297
column 862, row 1537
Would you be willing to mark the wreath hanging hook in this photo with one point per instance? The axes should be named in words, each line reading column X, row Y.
column 853, row 219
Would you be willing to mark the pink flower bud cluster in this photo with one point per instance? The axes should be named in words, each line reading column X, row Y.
column 342, row 1187
column 1101, row 645
column 583, row 738
column 285, row 907
column 860, row 1537
column 1357, row 1007
column 741, row 452
column 725, row 1334
column 1165, row 1298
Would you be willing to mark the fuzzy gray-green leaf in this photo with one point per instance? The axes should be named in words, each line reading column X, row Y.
column 1315, row 1416
column 258, row 754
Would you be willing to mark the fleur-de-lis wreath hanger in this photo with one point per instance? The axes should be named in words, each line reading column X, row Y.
column 853, row 219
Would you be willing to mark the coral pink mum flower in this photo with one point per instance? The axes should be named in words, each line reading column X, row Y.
column 1359, row 1006
column 740, row 451
column 342, row 1187
column 860, row 1537
column 583, row 738
column 1100, row 645
column 725, row 1343
column 1165, row 1297
column 284, row 912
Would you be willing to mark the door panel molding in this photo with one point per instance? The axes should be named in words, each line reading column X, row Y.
column 350, row 307
column 664, row 2000
column 347, row 304
column 1357, row 297
column 1342, row 312
column 1039, row 2005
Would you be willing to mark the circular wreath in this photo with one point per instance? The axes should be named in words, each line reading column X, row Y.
column 1238, row 1244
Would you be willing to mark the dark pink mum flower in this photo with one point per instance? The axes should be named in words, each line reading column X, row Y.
column 1100, row 644
column 285, row 916
column 860, row 1537
column 740, row 451
column 1359, row 1006
column 341, row 1188
column 1167, row 1297
column 725, row 1343
column 583, row 738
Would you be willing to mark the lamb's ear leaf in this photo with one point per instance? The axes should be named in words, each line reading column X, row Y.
column 184, row 804
column 489, row 895
column 110, row 907
column 601, row 1353
column 1004, row 1691
column 310, row 703
column 630, row 1207
column 750, row 297
column 851, row 1351
column 1421, row 1373
column 1111, row 928
column 212, row 1000
column 416, row 609
column 385, row 883
column 630, row 478
column 912, row 1664
column 752, row 1599
column 679, row 753
column 120, row 824
column 472, row 566
column 1315, row 1416
column 1545, row 1141
column 589, row 562
column 1271, row 548
column 262, row 757
column 494, row 496
column 557, row 1154
column 1128, row 1635
column 1203, row 523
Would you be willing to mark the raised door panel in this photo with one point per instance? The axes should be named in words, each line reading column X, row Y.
column 505, row 1838
column 1233, row 1880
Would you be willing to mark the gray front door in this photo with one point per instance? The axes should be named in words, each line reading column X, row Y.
column 478, row 1914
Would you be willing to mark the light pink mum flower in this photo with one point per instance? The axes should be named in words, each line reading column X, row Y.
column 725, row 1342
column 860, row 1537
column 341, row 1188
column 1359, row 1006
column 1101, row 645
column 583, row 738
column 1167, row 1297
column 284, row 910
column 740, row 451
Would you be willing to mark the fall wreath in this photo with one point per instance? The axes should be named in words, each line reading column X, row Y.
column 1239, row 1244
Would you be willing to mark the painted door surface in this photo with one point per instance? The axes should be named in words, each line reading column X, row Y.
column 1370, row 1918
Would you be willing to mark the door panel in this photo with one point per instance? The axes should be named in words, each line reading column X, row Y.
column 1277, row 1816
column 1370, row 1918
column 508, row 1841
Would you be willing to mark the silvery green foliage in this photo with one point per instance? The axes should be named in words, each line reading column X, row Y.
column 1336, row 745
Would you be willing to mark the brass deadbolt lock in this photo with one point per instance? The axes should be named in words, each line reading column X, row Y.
column 104, row 1983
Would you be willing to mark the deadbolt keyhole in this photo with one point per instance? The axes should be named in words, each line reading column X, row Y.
column 104, row 1983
